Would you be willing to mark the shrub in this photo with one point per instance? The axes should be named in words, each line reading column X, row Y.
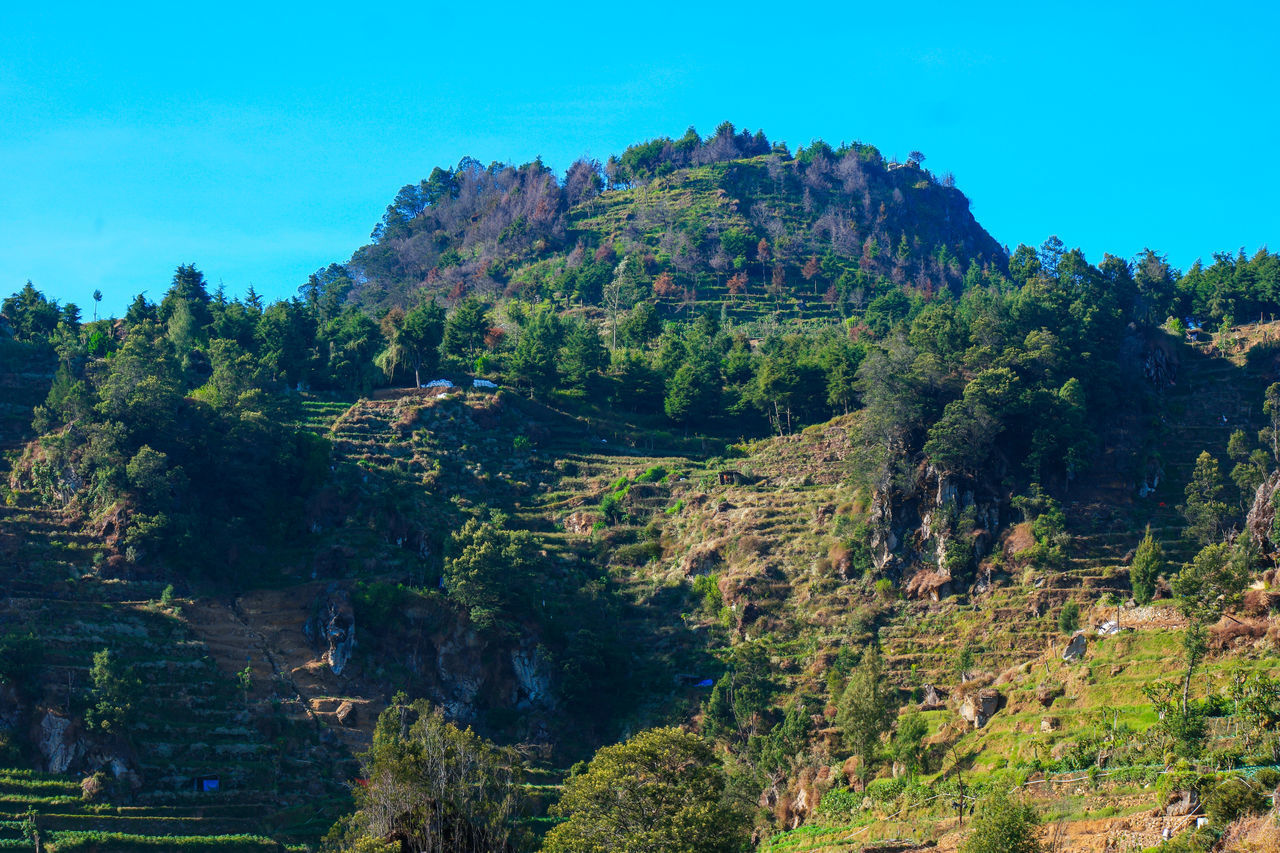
column 1069, row 617
column 653, row 475
column 1233, row 798
column 839, row 802
column 884, row 589
column 638, row 553
column 1003, row 825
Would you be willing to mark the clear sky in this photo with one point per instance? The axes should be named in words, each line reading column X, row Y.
column 262, row 142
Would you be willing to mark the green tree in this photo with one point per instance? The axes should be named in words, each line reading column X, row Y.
column 21, row 656
column 434, row 787
column 489, row 569
column 1069, row 617
column 465, row 330
column 740, row 698
column 413, row 339
column 115, row 693
column 662, row 791
column 1204, row 509
column 583, row 354
column 1271, row 405
column 865, row 711
column 1148, row 565
column 536, row 355
column 909, row 748
column 1212, row 582
column 1003, row 825
column 33, row 317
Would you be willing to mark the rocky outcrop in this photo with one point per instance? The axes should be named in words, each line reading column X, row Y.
column 533, row 680
column 59, row 742
column 979, row 707
column 1076, row 648
column 333, row 627
column 346, row 714
column 1260, row 522
column 931, row 585
column 934, row 699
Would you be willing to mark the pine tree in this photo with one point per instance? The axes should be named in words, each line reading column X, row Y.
column 1148, row 564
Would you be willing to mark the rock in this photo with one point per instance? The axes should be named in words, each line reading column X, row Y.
column 1108, row 628
column 979, row 707
column 346, row 714
column 334, row 627
column 58, row 741
column 1076, row 648
column 533, row 681
column 1049, row 724
column 580, row 523
column 934, row 699
column 1182, row 803
column 932, row 585
column 1262, row 514
column 1046, row 692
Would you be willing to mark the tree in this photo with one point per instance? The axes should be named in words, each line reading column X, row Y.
column 865, row 710
column 1148, row 565
column 1204, row 510
column 435, row 787
column 1069, row 617
column 32, row 315
column 908, row 742
column 534, row 361
column 1271, row 405
column 1204, row 589
column 115, row 692
column 1003, row 825
column 583, row 355
column 21, row 657
column 488, row 570
column 465, row 330
column 420, row 336
column 662, row 791
column 97, row 300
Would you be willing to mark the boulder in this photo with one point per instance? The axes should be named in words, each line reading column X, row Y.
column 1049, row 724
column 1182, row 803
column 1046, row 692
column 1076, row 648
column 934, row 699
column 979, row 707
column 346, row 714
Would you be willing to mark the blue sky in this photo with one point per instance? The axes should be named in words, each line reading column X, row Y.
column 261, row 143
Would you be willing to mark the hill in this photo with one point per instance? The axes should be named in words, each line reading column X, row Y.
column 962, row 527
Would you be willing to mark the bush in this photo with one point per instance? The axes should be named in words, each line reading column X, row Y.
column 653, row 475
column 1069, row 617
column 1233, row 798
column 839, row 802
column 637, row 554
column 1003, row 825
